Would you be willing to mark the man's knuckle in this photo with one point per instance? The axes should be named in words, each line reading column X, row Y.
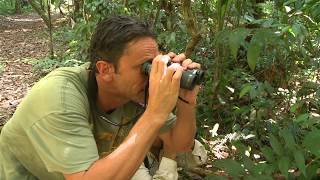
column 176, row 78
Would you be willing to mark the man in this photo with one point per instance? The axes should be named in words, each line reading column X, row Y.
column 87, row 122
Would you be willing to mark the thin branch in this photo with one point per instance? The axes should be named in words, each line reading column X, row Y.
column 191, row 26
column 41, row 13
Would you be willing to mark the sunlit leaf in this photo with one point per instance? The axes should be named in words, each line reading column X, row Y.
column 294, row 107
column 302, row 118
column 245, row 90
column 254, row 50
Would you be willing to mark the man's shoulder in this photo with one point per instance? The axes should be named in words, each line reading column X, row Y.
column 77, row 72
column 55, row 93
column 63, row 79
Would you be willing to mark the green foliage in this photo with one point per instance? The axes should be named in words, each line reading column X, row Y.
column 297, row 154
column 46, row 65
column 262, row 75
column 310, row 142
column 236, row 39
column 231, row 166
column 6, row 7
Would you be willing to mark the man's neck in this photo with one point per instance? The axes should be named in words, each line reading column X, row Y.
column 109, row 102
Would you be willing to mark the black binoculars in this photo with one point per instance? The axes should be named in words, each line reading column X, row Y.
column 189, row 79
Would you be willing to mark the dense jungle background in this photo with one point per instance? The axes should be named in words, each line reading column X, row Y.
column 258, row 113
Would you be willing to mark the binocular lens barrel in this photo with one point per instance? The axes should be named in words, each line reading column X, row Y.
column 189, row 79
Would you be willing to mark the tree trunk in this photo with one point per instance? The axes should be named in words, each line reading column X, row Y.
column 191, row 26
column 168, row 7
column 125, row 3
column 18, row 8
column 77, row 7
column 41, row 12
column 50, row 30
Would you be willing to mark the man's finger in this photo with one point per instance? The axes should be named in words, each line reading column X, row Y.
column 176, row 80
column 162, row 66
column 154, row 67
column 179, row 58
column 169, row 74
column 171, row 54
column 194, row 66
column 185, row 63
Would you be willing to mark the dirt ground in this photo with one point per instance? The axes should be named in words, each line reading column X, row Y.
column 22, row 37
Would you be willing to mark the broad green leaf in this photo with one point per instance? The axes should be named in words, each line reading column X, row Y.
column 300, row 161
column 254, row 92
column 235, row 39
column 268, row 153
column 312, row 171
column 285, row 29
column 284, row 165
column 261, row 167
column 270, row 169
column 250, row 166
column 294, row 107
column 260, row 177
column 275, row 144
column 311, row 142
column 264, row 36
column 254, row 50
column 302, row 118
column 288, row 138
column 245, row 90
column 296, row 30
column 232, row 167
column 241, row 148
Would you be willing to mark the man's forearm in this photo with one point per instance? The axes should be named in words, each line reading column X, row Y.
column 184, row 131
column 124, row 161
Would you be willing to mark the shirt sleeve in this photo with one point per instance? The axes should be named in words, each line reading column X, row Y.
column 64, row 142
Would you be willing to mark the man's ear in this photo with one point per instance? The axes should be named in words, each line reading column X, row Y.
column 105, row 70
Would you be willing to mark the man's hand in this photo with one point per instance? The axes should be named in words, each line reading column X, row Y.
column 164, row 85
column 190, row 96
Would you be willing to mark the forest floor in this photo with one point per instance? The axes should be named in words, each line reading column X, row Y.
column 22, row 37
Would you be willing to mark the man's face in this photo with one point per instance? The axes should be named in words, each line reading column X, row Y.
column 130, row 82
